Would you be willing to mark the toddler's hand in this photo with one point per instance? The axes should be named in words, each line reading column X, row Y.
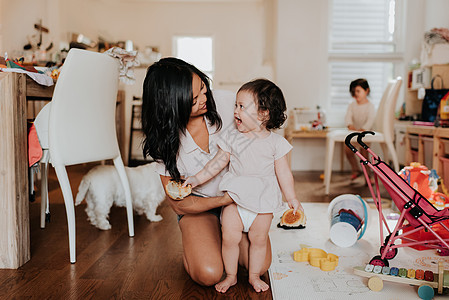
column 295, row 204
column 192, row 181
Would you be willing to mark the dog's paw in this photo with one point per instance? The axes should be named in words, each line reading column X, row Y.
column 155, row 218
column 104, row 226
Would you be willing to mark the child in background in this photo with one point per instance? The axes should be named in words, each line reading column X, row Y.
column 258, row 171
column 359, row 117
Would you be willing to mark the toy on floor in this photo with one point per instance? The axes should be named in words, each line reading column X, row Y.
column 317, row 258
column 348, row 216
column 425, row 181
column 426, row 280
column 102, row 188
column 420, row 223
column 293, row 221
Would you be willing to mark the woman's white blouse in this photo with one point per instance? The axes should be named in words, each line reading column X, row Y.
column 192, row 159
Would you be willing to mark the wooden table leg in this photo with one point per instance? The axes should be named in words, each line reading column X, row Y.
column 408, row 150
column 14, row 198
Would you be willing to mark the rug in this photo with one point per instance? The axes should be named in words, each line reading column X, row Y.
column 299, row 280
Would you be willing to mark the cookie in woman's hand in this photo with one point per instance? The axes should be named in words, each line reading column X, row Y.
column 176, row 191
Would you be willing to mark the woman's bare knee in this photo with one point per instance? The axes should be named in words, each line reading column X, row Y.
column 207, row 275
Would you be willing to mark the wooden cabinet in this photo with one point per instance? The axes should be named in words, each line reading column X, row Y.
column 438, row 137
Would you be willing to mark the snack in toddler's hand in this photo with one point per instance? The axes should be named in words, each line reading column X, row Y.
column 293, row 221
column 176, row 191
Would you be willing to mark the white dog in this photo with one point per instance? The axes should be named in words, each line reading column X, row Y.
column 102, row 187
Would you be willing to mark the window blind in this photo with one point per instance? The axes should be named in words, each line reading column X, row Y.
column 362, row 25
column 342, row 73
column 362, row 36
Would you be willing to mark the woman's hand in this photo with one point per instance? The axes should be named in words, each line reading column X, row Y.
column 195, row 204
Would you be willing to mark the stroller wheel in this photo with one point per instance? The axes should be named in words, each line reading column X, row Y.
column 443, row 252
column 390, row 254
column 378, row 261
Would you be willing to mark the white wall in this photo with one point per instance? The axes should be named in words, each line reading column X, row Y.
column 301, row 68
column 238, row 28
column 17, row 19
column 436, row 14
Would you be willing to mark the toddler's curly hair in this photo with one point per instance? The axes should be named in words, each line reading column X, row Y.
column 268, row 97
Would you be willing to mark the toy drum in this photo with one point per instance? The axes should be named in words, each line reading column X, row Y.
column 348, row 219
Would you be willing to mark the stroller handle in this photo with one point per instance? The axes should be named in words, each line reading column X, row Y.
column 361, row 136
column 348, row 141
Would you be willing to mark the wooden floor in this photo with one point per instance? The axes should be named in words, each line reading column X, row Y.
column 110, row 264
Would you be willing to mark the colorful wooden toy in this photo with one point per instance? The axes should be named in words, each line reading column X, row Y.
column 428, row 276
column 432, row 281
column 377, row 269
column 419, row 274
column 375, row 284
column 402, row 272
column 369, row 268
column 426, row 292
column 394, row 271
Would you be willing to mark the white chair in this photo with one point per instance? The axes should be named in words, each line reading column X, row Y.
column 80, row 121
column 383, row 127
column 41, row 124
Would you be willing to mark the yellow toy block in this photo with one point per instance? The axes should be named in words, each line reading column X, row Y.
column 317, row 258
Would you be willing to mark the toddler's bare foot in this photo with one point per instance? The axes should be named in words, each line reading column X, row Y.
column 224, row 285
column 258, row 284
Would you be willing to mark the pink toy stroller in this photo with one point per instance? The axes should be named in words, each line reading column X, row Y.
column 416, row 212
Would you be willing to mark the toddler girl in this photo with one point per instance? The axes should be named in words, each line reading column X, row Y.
column 258, row 171
column 359, row 117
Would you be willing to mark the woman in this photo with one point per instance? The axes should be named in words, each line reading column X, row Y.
column 181, row 121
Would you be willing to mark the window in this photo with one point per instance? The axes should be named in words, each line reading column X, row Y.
column 363, row 25
column 342, row 73
column 363, row 43
column 197, row 51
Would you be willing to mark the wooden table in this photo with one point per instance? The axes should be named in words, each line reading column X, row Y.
column 298, row 134
column 15, row 88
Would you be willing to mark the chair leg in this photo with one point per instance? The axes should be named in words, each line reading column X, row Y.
column 330, row 144
column 125, row 183
column 394, row 156
column 63, row 179
column 44, row 192
column 385, row 153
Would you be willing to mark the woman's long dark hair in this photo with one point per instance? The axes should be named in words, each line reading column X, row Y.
column 166, row 107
